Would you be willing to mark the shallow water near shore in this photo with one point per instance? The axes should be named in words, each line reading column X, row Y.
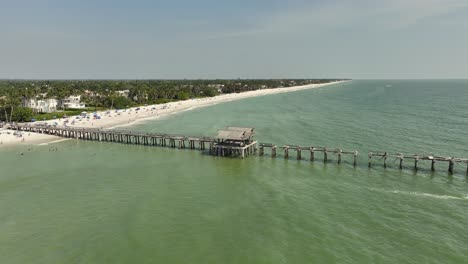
column 91, row 202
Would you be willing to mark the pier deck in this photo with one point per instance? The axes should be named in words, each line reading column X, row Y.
column 230, row 142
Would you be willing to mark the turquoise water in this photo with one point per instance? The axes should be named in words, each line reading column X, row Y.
column 90, row 202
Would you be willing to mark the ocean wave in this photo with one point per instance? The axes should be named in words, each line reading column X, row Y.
column 421, row 194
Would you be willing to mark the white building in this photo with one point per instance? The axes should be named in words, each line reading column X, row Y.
column 123, row 93
column 40, row 106
column 73, row 102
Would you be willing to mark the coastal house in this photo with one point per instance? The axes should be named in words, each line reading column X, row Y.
column 123, row 93
column 144, row 96
column 90, row 93
column 218, row 87
column 72, row 102
column 40, row 105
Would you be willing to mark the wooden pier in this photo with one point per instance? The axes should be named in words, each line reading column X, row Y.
column 233, row 142
column 416, row 158
column 311, row 149
column 225, row 146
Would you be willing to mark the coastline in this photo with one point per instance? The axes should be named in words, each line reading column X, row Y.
column 111, row 119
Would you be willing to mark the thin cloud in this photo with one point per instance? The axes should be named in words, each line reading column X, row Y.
column 341, row 15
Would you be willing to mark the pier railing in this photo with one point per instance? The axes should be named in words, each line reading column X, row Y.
column 211, row 144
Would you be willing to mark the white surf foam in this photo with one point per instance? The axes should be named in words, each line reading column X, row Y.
column 421, row 194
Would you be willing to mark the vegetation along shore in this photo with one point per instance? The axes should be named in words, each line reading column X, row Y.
column 23, row 100
column 101, row 116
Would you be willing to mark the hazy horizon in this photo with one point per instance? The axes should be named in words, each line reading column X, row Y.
column 207, row 39
column 224, row 79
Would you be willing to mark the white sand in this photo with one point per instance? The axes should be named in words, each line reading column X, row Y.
column 113, row 118
column 10, row 137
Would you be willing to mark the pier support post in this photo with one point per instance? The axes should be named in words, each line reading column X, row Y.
column 416, row 159
column 286, row 152
column 433, row 164
column 325, row 155
column 298, row 150
column 312, row 154
column 401, row 162
column 339, row 156
column 354, row 158
column 370, row 159
column 451, row 163
column 273, row 152
column 261, row 150
column 385, row 160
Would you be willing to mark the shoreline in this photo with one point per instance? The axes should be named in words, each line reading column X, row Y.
column 111, row 119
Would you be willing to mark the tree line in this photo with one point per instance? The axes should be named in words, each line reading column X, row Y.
column 104, row 93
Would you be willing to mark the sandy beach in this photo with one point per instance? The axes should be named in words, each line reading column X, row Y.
column 119, row 118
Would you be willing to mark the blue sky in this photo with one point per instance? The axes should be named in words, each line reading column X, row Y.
column 236, row 39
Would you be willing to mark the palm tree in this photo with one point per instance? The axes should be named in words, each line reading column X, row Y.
column 112, row 94
column 3, row 105
column 13, row 100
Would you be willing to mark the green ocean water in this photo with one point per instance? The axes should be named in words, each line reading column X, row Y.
column 90, row 202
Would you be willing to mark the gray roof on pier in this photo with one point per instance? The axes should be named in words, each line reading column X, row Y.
column 249, row 131
column 235, row 133
column 246, row 129
column 232, row 135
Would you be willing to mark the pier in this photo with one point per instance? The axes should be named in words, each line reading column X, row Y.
column 230, row 142
column 236, row 142
column 416, row 158
column 311, row 149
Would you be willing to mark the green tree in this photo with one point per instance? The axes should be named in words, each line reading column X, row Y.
column 182, row 96
column 119, row 102
column 22, row 114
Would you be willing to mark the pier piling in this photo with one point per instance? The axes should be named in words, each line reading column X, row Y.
column 225, row 146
